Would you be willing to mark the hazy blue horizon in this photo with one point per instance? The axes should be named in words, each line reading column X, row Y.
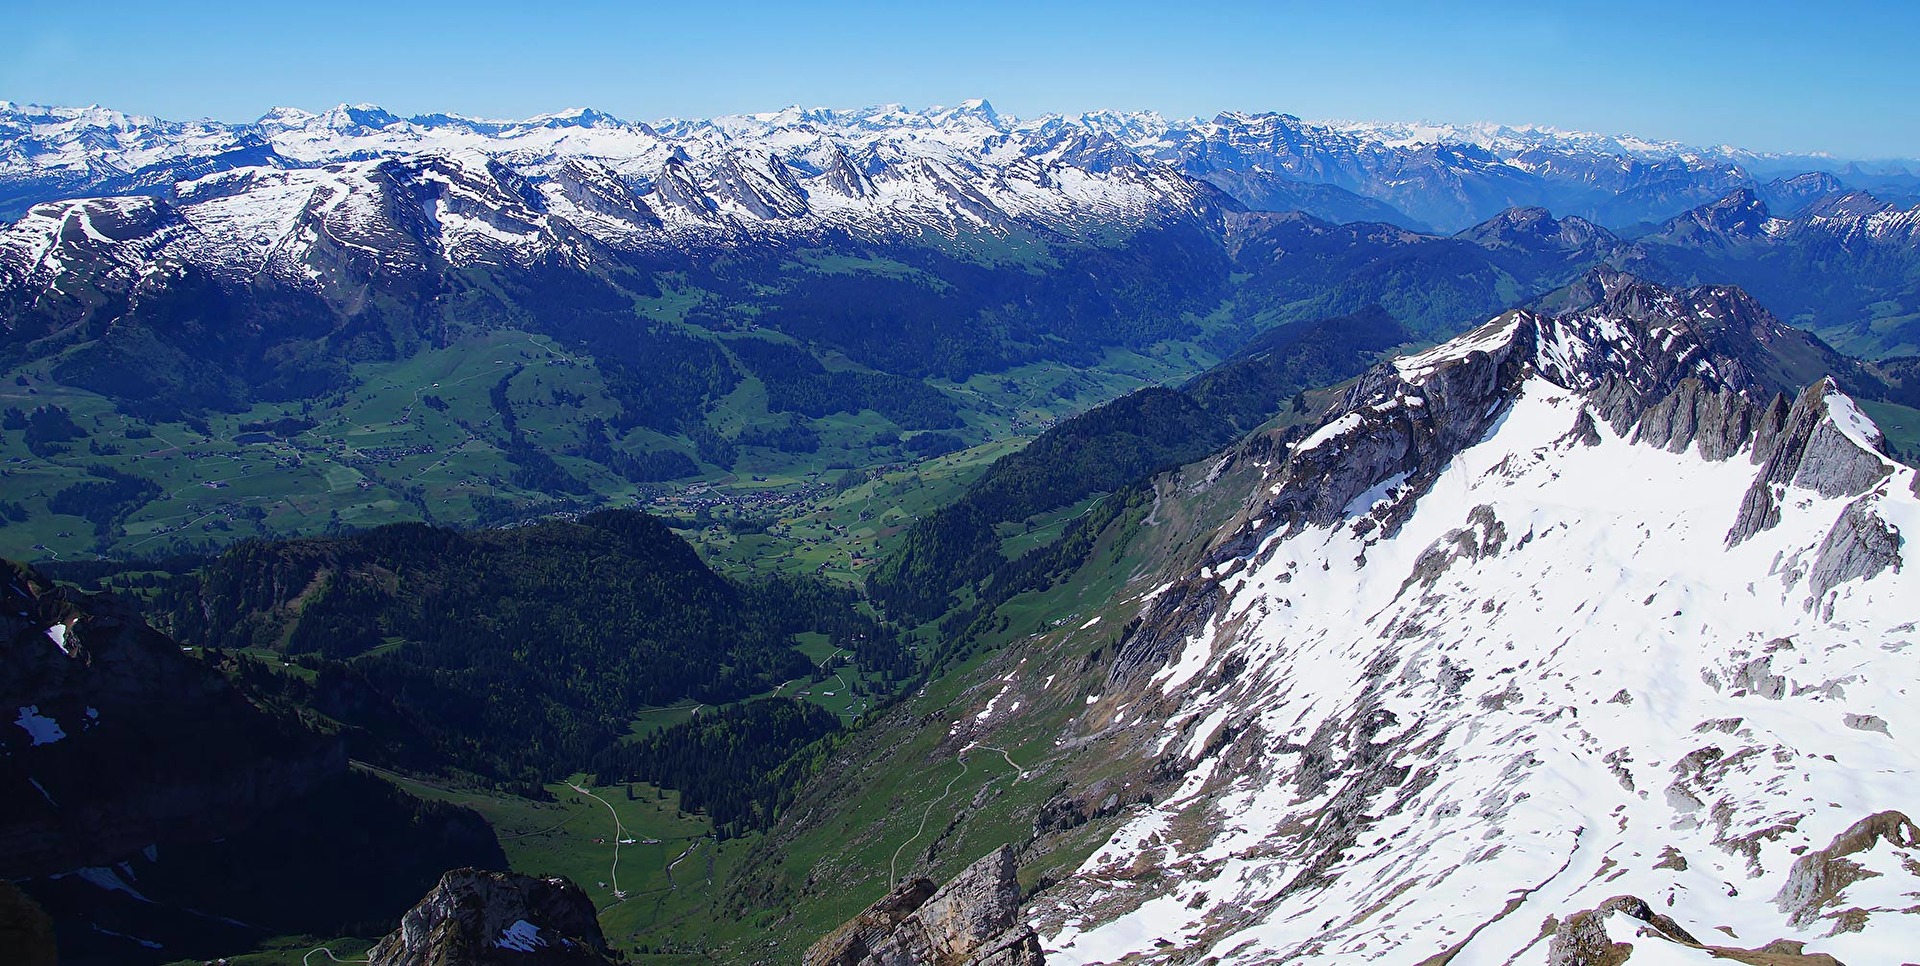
column 1770, row 75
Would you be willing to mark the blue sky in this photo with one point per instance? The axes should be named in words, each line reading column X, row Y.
column 1768, row 75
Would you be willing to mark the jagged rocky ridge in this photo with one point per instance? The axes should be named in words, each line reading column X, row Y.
column 1840, row 261
column 390, row 223
column 357, row 203
column 375, row 192
column 1600, row 601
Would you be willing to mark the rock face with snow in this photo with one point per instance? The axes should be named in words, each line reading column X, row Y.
column 475, row 918
column 1587, row 632
column 356, row 226
column 972, row 921
column 1865, row 249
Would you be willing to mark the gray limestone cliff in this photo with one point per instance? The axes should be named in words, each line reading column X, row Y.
column 1860, row 545
column 973, row 920
column 1807, row 450
column 1813, row 893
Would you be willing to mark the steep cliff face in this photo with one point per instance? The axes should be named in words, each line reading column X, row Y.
column 1587, row 603
column 156, row 815
column 973, row 920
column 114, row 740
column 475, row 918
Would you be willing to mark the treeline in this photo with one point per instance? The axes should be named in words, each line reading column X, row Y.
column 738, row 763
column 1119, row 443
column 517, row 654
column 285, row 425
column 1297, row 268
column 106, row 500
column 929, row 445
column 792, row 437
column 533, row 467
column 1121, row 512
column 97, row 575
column 1101, row 450
column 45, row 427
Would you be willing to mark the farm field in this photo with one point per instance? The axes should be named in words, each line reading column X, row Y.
column 423, row 438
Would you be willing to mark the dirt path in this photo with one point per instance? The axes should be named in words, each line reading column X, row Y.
column 619, row 833
column 893, row 865
column 330, row 955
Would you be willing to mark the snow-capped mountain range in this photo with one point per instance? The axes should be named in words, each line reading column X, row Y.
column 360, row 182
column 1570, row 632
column 952, row 167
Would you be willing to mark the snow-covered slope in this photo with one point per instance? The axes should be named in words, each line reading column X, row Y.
column 1571, row 608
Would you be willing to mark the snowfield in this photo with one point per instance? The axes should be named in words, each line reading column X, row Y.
column 1554, row 684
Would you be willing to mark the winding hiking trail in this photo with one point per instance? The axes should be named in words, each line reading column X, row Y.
column 619, row 833
column 893, row 865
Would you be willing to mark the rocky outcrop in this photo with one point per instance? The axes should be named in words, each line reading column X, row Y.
column 1823, row 458
column 1860, row 545
column 475, row 918
column 1720, row 421
column 1759, row 512
column 1173, row 617
column 1701, row 368
column 973, row 920
column 1361, row 642
column 1808, row 450
column 1583, row 940
column 1815, row 888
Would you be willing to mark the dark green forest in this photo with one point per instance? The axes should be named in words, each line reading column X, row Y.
column 518, row 654
column 736, row 763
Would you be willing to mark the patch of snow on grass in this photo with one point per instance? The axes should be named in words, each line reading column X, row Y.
column 42, row 729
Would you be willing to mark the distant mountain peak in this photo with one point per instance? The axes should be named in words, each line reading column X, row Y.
column 1535, row 226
